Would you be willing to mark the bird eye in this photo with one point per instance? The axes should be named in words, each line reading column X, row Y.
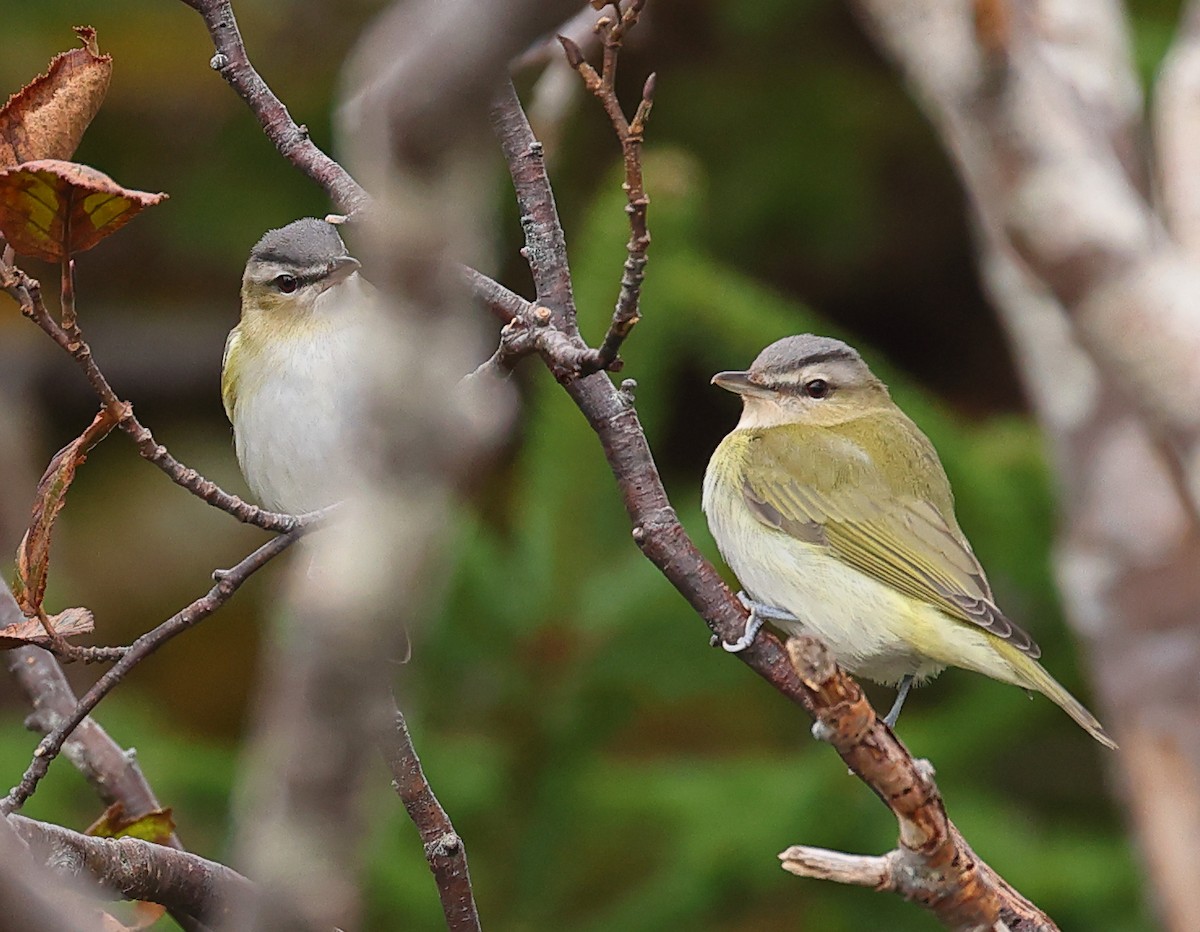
column 816, row 388
column 286, row 283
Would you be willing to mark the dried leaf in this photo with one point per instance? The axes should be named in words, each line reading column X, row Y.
column 50, row 209
column 33, row 555
column 67, row 624
column 47, row 117
column 155, row 826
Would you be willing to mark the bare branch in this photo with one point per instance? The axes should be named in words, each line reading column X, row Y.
column 545, row 243
column 504, row 304
column 112, row 771
column 26, row 897
column 444, row 849
column 27, row 292
column 230, row 581
column 290, row 138
column 611, row 414
column 138, row 870
column 933, row 865
column 630, row 133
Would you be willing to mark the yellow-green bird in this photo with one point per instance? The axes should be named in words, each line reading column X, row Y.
column 289, row 372
column 834, row 511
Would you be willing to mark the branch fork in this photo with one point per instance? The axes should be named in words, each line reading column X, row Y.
column 932, row 865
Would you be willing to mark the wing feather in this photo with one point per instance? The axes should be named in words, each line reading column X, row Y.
column 824, row 487
column 229, row 382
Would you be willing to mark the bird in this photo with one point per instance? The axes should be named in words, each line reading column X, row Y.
column 289, row 366
column 835, row 513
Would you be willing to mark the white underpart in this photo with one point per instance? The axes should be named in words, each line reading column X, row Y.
column 292, row 424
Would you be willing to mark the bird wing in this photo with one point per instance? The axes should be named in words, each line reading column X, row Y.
column 889, row 513
column 229, row 382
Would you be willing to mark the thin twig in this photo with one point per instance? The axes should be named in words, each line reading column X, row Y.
column 230, row 581
column 444, row 849
column 631, row 134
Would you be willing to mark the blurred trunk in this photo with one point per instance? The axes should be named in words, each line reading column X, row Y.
column 1003, row 90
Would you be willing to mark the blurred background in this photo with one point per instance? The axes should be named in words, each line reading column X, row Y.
column 607, row 769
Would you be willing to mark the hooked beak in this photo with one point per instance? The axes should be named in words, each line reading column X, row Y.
column 740, row 384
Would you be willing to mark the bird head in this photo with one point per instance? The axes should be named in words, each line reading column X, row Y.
column 805, row 379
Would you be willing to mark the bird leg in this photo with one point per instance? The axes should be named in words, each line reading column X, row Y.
column 901, row 695
column 760, row 613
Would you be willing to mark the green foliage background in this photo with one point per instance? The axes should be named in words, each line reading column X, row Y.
column 608, row 770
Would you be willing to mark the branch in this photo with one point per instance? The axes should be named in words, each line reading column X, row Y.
column 26, row 898
column 933, row 866
column 230, row 581
column 444, row 849
column 290, row 138
column 630, row 133
column 611, row 414
column 326, row 686
column 139, row 870
column 27, row 292
column 112, row 771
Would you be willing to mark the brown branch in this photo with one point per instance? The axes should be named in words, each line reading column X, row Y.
column 657, row 531
column 230, row 581
column 185, row 883
column 112, row 771
column 611, row 414
column 503, row 304
column 27, row 292
column 289, row 137
column 444, row 849
column 28, row 897
column 545, row 243
column 932, row 866
column 630, row 133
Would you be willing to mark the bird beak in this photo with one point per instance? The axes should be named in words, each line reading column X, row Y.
column 340, row 269
column 739, row 383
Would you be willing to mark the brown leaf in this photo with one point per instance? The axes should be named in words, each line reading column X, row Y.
column 47, row 117
column 51, row 209
column 67, row 624
column 33, row 555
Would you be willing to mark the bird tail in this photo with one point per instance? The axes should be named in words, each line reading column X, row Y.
column 1032, row 675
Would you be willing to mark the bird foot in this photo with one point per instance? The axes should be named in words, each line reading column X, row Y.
column 760, row 613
